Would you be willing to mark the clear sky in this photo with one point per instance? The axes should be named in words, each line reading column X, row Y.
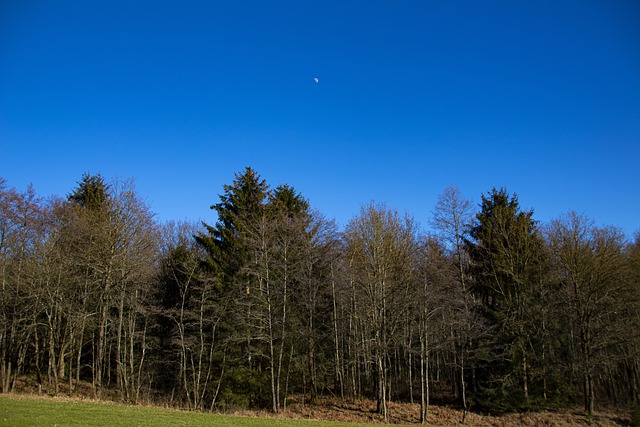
column 541, row 97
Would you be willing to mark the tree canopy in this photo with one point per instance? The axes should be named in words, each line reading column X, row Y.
column 488, row 306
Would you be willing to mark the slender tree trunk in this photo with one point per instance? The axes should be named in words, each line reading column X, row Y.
column 52, row 368
column 6, row 377
column 423, row 384
column 424, row 371
column 525, row 375
column 142, row 357
column 130, row 378
column 410, row 364
column 101, row 345
column 382, row 389
column 338, row 374
column 286, row 385
column 184, row 356
column 36, row 342
column 271, row 339
column 283, row 327
column 79, row 350
column 120, row 366
column 463, row 390
column 215, row 394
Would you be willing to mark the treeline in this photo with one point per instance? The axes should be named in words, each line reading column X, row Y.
column 489, row 309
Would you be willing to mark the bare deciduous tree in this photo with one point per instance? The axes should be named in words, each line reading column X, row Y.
column 591, row 265
column 382, row 246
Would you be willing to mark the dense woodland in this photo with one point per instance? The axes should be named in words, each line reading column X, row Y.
column 482, row 307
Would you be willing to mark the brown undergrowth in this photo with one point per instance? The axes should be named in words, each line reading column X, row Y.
column 364, row 411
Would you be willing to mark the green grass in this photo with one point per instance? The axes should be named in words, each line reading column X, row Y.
column 18, row 411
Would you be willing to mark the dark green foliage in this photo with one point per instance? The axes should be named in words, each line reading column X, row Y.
column 507, row 268
column 286, row 200
column 266, row 254
column 92, row 192
column 175, row 271
column 242, row 202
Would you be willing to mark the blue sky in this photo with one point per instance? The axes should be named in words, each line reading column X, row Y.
column 540, row 97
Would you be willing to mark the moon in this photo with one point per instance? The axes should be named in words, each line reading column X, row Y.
column 315, row 79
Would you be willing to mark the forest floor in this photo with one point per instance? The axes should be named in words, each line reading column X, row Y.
column 406, row 413
column 364, row 411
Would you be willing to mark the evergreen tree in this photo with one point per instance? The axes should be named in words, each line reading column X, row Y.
column 507, row 260
column 241, row 203
column 91, row 193
column 228, row 261
column 291, row 204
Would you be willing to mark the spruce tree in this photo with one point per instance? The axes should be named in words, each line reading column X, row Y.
column 91, row 193
column 241, row 203
column 507, row 261
column 227, row 262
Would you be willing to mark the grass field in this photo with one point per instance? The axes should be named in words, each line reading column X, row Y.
column 18, row 411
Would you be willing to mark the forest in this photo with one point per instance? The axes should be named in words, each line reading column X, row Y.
column 482, row 306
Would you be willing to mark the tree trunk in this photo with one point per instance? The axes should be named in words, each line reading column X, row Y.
column 382, row 390
column 120, row 365
column 410, row 366
column 424, row 368
column 525, row 376
column 423, row 384
column 338, row 374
